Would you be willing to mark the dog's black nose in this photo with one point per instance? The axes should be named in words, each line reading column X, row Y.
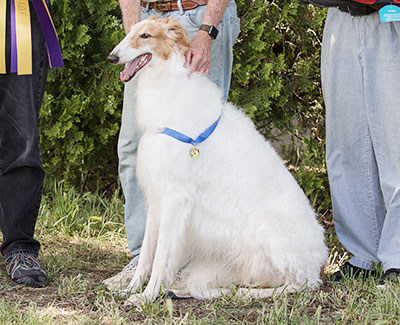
column 113, row 58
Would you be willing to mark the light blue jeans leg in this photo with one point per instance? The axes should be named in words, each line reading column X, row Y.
column 382, row 97
column 362, row 151
column 135, row 220
column 220, row 73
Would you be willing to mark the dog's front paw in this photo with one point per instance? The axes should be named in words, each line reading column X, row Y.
column 136, row 300
column 133, row 286
column 124, row 292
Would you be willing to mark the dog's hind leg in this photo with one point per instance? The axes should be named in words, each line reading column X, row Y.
column 171, row 243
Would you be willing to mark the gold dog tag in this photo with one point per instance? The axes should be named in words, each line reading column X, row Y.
column 194, row 153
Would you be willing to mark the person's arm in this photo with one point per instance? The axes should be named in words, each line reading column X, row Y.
column 131, row 13
column 198, row 57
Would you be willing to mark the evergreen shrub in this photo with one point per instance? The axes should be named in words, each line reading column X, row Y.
column 81, row 110
column 276, row 79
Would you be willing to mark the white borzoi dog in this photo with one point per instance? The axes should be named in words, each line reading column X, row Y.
column 224, row 214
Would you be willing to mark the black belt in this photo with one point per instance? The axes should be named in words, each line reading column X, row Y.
column 358, row 10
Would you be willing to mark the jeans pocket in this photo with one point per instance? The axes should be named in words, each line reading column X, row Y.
column 195, row 16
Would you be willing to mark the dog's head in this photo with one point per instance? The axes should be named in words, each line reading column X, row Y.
column 153, row 37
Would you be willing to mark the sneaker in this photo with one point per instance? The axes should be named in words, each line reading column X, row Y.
column 390, row 276
column 121, row 280
column 24, row 268
column 352, row 271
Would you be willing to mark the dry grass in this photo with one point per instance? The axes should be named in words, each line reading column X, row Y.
column 79, row 255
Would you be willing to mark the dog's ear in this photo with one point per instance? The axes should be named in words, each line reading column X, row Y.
column 178, row 33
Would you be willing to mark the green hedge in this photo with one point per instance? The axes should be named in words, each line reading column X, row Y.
column 275, row 79
column 82, row 104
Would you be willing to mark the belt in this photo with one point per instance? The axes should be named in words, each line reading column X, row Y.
column 358, row 10
column 173, row 5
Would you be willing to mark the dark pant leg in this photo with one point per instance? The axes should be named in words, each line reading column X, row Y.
column 21, row 170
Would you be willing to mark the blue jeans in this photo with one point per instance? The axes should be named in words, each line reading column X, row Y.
column 21, row 171
column 360, row 69
column 220, row 73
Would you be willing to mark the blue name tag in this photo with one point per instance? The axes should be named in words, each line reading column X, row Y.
column 389, row 13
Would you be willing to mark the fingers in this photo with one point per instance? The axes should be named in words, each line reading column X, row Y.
column 198, row 63
column 188, row 58
column 198, row 57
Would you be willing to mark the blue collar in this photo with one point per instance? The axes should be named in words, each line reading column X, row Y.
column 184, row 138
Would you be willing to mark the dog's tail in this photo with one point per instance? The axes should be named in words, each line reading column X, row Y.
column 249, row 293
column 255, row 293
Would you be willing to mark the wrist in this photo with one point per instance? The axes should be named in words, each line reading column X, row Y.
column 211, row 30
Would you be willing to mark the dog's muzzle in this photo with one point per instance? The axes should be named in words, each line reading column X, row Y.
column 113, row 59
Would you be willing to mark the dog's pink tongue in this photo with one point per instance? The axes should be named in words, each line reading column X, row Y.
column 129, row 71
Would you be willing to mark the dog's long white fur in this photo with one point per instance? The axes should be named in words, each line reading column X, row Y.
column 235, row 216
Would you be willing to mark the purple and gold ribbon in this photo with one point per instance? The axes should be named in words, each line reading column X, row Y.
column 21, row 42
column 3, row 23
column 49, row 32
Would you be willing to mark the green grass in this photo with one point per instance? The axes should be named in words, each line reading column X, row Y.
column 83, row 242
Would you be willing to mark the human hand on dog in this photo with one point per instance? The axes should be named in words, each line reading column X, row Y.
column 198, row 57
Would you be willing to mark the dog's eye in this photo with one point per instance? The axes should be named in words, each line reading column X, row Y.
column 145, row 35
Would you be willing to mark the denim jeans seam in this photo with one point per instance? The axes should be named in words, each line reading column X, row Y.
column 379, row 162
column 359, row 41
column 370, row 148
column 40, row 77
column 39, row 97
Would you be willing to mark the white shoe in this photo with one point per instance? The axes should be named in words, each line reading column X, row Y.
column 121, row 280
